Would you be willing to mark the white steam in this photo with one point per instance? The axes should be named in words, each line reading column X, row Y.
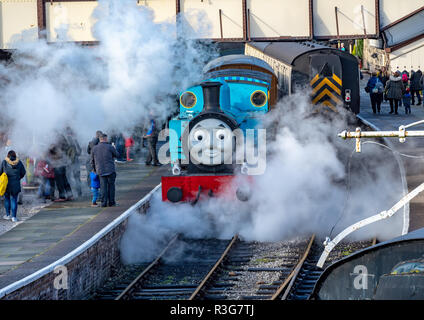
column 137, row 68
column 307, row 188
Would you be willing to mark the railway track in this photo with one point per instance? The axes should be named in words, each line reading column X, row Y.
column 165, row 278
column 216, row 269
column 307, row 274
column 212, row 269
column 246, row 274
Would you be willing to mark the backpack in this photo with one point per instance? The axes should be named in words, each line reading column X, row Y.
column 404, row 77
column 379, row 87
column 3, row 182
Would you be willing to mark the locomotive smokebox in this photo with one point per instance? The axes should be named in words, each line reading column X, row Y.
column 211, row 96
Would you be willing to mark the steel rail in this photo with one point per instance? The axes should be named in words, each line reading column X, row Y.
column 201, row 286
column 289, row 281
column 147, row 270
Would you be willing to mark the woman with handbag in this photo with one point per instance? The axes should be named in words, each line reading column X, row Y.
column 15, row 171
column 394, row 91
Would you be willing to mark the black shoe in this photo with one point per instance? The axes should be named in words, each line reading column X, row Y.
column 147, row 163
column 396, row 113
column 391, row 112
column 103, row 206
column 114, row 205
column 157, row 164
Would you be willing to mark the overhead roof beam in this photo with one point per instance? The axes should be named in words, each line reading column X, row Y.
column 402, row 19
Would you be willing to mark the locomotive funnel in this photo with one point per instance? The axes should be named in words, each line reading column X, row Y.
column 211, row 96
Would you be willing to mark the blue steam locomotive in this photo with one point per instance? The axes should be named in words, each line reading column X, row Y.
column 236, row 92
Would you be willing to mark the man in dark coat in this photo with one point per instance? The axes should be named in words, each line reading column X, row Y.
column 15, row 171
column 102, row 161
column 416, row 86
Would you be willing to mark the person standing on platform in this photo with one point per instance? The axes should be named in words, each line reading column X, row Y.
column 73, row 152
column 90, row 146
column 95, row 186
column 15, row 171
column 59, row 162
column 152, row 138
column 394, row 89
column 375, row 88
column 46, row 173
column 129, row 143
column 384, row 77
column 406, row 99
column 118, row 141
column 102, row 161
column 416, row 86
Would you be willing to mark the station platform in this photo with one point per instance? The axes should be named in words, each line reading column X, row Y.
column 413, row 146
column 63, row 226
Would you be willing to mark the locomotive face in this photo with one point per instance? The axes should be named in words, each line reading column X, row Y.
column 210, row 142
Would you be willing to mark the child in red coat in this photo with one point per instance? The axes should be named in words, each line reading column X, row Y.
column 129, row 142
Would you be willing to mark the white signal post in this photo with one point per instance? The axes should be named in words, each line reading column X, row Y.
column 402, row 133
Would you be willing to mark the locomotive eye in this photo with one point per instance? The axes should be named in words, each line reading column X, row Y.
column 220, row 134
column 188, row 99
column 258, row 98
column 198, row 136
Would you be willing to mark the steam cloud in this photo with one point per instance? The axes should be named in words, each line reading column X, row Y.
column 307, row 188
column 137, row 67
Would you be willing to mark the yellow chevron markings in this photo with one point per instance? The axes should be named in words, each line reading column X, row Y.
column 328, row 93
column 337, row 79
column 314, row 79
column 328, row 104
column 330, row 84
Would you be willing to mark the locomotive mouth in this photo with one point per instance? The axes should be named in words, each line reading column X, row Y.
column 211, row 153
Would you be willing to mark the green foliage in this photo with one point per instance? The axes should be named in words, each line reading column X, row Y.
column 358, row 48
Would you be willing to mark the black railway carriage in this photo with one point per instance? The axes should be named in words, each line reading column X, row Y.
column 390, row 270
column 332, row 74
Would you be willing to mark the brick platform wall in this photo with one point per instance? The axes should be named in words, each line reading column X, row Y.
column 86, row 272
